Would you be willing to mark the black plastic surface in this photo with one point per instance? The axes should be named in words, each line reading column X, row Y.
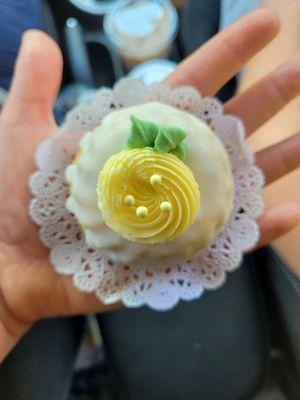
column 282, row 297
column 214, row 348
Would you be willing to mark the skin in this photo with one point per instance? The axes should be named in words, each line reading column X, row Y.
column 285, row 123
column 29, row 287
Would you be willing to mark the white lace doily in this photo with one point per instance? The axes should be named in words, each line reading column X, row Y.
column 161, row 288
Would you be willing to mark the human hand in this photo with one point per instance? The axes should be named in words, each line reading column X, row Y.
column 29, row 287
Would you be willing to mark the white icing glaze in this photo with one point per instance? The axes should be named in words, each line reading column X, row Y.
column 206, row 157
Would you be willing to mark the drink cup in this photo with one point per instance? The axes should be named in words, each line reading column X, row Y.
column 142, row 30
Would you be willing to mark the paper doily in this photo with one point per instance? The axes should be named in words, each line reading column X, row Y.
column 159, row 288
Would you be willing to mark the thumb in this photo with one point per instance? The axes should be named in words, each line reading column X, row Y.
column 36, row 80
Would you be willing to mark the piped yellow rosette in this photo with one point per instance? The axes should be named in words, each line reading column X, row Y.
column 147, row 193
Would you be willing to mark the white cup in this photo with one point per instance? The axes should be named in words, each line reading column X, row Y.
column 142, row 29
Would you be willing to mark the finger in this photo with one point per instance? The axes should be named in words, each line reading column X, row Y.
column 49, row 286
column 260, row 102
column 82, row 303
column 37, row 77
column 279, row 159
column 277, row 221
column 215, row 63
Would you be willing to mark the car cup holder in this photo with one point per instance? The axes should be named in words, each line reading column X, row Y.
column 90, row 57
column 93, row 61
column 95, row 7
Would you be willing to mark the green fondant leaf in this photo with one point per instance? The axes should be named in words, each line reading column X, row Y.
column 162, row 138
column 180, row 151
column 168, row 139
column 143, row 133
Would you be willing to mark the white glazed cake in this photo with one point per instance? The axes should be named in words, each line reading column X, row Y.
column 162, row 221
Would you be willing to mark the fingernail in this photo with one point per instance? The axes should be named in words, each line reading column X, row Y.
column 30, row 41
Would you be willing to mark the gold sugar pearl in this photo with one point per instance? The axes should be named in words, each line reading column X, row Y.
column 142, row 212
column 165, row 206
column 129, row 200
column 155, row 179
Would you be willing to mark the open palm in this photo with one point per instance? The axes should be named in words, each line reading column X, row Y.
column 29, row 287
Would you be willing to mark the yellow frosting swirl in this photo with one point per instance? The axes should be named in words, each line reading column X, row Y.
column 146, row 196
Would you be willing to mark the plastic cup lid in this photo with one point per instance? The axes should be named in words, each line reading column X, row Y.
column 153, row 71
column 137, row 19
